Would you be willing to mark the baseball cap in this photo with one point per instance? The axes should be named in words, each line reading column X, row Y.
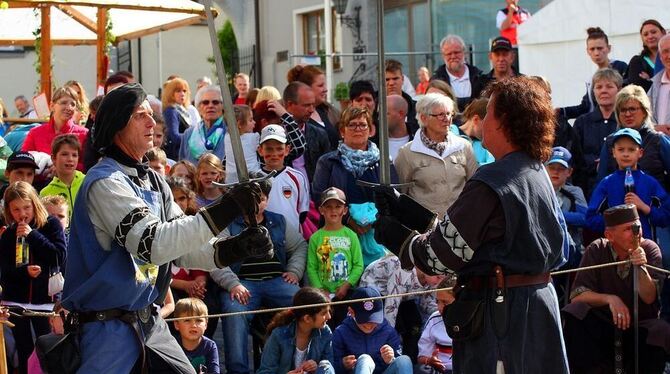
column 273, row 132
column 367, row 310
column 333, row 193
column 560, row 155
column 21, row 160
column 631, row 133
column 501, row 42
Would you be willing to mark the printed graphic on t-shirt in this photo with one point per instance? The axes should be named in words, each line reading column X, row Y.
column 287, row 191
column 335, row 265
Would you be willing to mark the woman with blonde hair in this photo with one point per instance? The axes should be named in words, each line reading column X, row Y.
column 63, row 107
column 176, row 99
column 633, row 110
column 267, row 93
column 82, row 101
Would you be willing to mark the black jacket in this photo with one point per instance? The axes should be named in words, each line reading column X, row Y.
column 317, row 145
column 591, row 130
column 475, row 74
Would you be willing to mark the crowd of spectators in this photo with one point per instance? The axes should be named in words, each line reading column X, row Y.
column 321, row 221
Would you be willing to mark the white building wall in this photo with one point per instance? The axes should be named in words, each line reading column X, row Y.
column 553, row 42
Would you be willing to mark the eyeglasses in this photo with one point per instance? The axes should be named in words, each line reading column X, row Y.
column 357, row 126
column 442, row 116
column 632, row 109
column 213, row 102
column 142, row 116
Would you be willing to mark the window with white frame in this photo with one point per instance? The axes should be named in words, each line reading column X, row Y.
column 314, row 35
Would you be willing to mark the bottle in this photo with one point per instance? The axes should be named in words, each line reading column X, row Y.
column 629, row 182
column 22, row 253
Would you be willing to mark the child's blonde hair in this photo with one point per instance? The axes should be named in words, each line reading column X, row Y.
column 54, row 200
column 25, row 191
column 190, row 307
column 157, row 154
column 207, row 159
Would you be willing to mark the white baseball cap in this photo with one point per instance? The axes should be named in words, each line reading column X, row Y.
column 273, row 132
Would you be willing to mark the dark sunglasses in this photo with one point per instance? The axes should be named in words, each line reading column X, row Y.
column 213, row 102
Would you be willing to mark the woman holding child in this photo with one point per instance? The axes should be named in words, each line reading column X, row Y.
column 356, row 158
column 633, row 111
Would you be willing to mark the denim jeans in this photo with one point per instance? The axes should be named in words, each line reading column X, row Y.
column 273, row 292
column 325, row 367
column 366, row 365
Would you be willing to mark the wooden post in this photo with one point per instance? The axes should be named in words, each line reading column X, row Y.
column 45, row 52
column 101, row 53
column 3, row 354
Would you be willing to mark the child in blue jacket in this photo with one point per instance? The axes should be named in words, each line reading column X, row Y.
column 651, row 200
column 365, row 342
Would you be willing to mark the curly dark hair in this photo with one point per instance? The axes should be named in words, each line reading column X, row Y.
column 524, row 109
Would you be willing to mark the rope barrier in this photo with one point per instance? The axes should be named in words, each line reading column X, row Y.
column 33, row 313
column 412, row 293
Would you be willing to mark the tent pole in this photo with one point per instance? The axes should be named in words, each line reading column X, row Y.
column 45, row 52
column 100, row 44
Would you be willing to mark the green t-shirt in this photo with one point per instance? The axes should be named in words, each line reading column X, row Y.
column 333, row 258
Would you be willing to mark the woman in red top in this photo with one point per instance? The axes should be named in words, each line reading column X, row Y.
column 63, row 107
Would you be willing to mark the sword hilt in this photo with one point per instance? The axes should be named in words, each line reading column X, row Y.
column 252, row 219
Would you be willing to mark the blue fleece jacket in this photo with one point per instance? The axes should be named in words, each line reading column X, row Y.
column 610, row 192
column 348, row 339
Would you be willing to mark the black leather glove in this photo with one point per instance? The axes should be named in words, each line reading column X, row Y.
column 241, row 199
column 395, row 236
column 404, row 208
column 251, row 242
column 385, row 200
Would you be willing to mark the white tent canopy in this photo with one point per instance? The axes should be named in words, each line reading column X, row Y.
column 73, row 24
column 552, row 43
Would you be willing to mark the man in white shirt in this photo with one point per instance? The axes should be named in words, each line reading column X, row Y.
column 396, row 112
column 461, row 76
column 23, row 107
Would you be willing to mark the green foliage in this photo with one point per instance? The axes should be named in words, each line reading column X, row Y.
column 229, row 51
column 342, row 91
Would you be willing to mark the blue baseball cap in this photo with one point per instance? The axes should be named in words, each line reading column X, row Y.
column 560, row 155
column 367, row 310
column 631, row 133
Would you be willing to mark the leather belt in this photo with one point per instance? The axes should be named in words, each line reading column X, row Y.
column 511, row 281
column 143, row 315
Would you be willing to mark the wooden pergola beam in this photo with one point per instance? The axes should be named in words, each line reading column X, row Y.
column 45, row 52
column 101, row 55
column 29, row 4
column 164, row 27
column 78, row 16
column 31, row 42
